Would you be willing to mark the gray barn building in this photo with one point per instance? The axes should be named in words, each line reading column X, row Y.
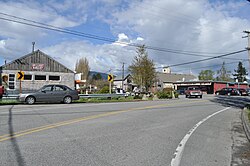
column 39, row 70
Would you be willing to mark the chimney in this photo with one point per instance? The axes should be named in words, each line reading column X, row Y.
column 33, row 46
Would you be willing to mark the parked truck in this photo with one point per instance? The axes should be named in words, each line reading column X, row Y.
column 193, row 92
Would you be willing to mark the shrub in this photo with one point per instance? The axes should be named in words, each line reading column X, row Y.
column 105, row 89
column 176, row 94
column 138, row 97
column 164, row 95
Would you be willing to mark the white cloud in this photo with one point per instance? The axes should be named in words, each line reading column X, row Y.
column 18, row 37
column 184, row 25
column 101, row 57
column 198, row 26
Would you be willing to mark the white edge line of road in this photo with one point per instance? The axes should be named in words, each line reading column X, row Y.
column 179, row 150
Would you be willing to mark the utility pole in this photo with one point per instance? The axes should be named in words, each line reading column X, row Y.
column 33, row 46
column 122, row 73
column 248, row 46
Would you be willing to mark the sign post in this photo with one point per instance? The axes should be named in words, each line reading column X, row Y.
column 20, row 76
column 110, row 79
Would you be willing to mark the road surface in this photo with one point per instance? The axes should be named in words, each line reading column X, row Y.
column 186, row 132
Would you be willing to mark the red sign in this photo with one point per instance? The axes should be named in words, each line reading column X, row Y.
column 37, row 66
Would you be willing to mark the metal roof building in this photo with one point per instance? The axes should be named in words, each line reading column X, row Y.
column 39, row 69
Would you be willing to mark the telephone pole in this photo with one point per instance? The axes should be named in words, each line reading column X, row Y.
column 248, row 46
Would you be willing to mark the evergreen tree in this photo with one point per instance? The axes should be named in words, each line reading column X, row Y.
column 240, row 73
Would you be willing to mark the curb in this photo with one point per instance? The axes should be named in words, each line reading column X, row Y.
column 246, row 123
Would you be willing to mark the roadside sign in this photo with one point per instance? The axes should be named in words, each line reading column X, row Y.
column 110, row 78
column 20, row 75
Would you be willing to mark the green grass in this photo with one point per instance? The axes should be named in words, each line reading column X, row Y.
column 104, row 100
column 248, row 113
column 83, row 100
column 8, row 102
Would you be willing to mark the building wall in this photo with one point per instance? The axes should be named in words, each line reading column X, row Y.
column 118, row 84
column 218, row 86
column 30, row 85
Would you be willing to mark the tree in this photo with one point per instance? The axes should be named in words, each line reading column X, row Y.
column 142, row 69
column 223, row 74
column 82, row 66
column 206, row 75
column 97, row 76
column 240, row 73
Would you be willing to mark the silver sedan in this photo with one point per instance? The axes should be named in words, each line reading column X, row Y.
column 51, row 93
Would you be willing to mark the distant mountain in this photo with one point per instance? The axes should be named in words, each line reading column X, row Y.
column 104, row 75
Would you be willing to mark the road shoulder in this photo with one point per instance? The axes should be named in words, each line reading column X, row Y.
column 241, row 145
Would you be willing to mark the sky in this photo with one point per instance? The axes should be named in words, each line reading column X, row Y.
column 205, row 28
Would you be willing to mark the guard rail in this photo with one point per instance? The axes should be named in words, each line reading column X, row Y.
column 87, row 96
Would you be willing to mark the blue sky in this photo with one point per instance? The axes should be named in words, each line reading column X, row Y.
column 207, row 26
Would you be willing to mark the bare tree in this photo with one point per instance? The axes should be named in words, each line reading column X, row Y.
column 223, row 74
column 82, row 66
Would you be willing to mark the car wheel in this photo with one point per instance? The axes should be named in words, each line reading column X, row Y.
column 30, row 100
column 67, row 100
column 217, row 93
column 229, row 94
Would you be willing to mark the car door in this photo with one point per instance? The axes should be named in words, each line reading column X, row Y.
column 44, row 94
column 59, row 93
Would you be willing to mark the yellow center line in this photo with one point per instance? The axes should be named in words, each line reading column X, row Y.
column 72, row 121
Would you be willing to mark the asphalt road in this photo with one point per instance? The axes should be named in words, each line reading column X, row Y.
column 185, row 132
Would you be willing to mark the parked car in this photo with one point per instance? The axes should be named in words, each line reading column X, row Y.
column 181, row 91
column 228, row 91
column 193, row 91
column 51, row 93
column 243, row 92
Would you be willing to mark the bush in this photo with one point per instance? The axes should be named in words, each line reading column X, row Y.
column 138, row 97
column 105, row 89
column 164, row 95
column 176, row 94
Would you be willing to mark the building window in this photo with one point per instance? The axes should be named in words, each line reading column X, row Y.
column 27, row 77
column 40, row 77
column 54, row 78
column 12, row 81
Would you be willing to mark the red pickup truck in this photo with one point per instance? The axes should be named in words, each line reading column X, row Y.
column 1, row 91
column 193, row 91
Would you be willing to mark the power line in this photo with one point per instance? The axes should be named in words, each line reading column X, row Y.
column 201, row 60
column 77, row 33
column 209, row 66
